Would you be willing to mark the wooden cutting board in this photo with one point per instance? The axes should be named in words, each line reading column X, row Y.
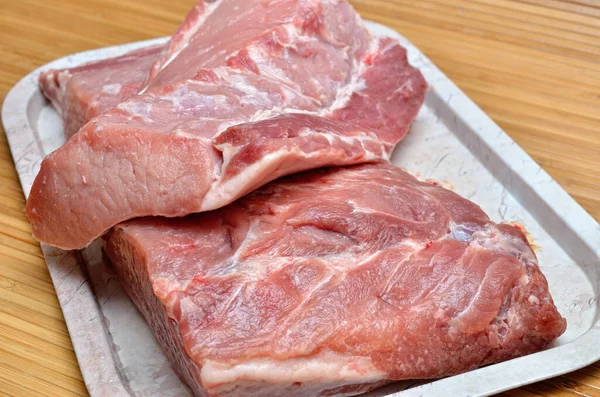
column 532, row 65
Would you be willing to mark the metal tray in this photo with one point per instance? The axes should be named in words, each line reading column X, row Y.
column 451, row 141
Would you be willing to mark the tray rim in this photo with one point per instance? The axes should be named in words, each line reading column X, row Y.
column 102, row 378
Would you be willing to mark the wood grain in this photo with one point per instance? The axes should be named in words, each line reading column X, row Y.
column 532, row 65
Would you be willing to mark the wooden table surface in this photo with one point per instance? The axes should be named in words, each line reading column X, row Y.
column 532, row 65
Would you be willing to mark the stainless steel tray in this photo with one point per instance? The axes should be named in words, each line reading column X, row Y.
column 451, row 141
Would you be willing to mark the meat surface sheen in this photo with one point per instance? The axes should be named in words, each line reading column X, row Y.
column 333, row 282
column 79, row 94
column 296, row 85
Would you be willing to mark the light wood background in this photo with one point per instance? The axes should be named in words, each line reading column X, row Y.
column 532, row 65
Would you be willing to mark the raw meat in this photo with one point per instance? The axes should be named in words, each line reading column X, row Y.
column 227, row 110
column 334, row 282
column 79, row 94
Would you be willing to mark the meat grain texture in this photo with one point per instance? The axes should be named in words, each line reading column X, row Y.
column 79, row 94
column 298, row 84
column 334, row 282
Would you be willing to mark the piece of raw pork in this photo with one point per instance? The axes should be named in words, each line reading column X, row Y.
column 81, row 93
column 243, row 93
column 334, row 282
